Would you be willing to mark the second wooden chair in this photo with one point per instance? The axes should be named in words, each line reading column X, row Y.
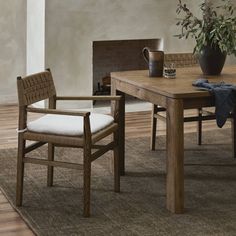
column 180, row 60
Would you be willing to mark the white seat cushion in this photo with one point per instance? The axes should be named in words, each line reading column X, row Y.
column 68, row 125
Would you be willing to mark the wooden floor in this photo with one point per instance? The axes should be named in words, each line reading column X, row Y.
column 137, row 125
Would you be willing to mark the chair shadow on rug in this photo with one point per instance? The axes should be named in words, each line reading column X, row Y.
column 63, row 128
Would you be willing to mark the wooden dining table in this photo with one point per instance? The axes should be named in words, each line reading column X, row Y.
column 175, row 95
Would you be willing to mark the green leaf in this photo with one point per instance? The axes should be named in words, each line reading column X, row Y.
column 210, row 28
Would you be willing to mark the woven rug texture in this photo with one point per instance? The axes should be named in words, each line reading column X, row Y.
column 140, row 208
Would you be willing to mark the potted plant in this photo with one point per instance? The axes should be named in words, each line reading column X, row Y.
column 214, row 32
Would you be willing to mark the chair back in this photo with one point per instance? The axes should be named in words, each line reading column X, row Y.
column 34, row 88
column 181, row 59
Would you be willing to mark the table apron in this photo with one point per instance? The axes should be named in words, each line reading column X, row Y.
column 140, row 93
column 198, row 102
column 159, row 99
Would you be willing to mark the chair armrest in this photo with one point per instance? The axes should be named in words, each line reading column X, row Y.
column 57, row 112
column 101, row 98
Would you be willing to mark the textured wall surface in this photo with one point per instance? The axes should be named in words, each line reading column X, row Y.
column 35, row 36
column 12, row 47
column 72, row 25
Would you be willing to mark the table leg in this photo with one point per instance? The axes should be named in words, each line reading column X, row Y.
column 153, row 127
column 233, row 133
column 175, row 156
column 121, row 131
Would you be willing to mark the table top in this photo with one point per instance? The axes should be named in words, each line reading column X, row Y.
column 181, row 86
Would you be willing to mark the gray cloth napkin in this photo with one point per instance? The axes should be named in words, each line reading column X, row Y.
column 225, row 98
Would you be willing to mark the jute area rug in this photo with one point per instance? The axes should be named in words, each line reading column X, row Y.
column 210, row 192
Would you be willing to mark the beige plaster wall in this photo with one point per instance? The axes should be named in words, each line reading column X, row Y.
column 72, row 25
column 12, row 47
column 35, row 36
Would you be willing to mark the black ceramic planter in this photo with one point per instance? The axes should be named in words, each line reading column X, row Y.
column 211, row 60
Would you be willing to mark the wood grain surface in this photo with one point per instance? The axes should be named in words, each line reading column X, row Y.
column 181, row 86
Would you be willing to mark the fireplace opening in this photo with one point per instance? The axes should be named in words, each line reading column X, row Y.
column 118, row 55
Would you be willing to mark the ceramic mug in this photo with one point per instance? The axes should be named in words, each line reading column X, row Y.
column 155, row 60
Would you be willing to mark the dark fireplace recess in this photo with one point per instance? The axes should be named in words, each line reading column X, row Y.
column 117, row 55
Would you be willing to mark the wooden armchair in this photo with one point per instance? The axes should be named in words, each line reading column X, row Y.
column 180, row 60
column 63, row 128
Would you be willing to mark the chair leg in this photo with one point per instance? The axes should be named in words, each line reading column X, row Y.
column 199, row 132
column 87, row 180
column 233, row 134
column 20, row 171
column 116, row 163
column 153, row 127
column 51, row 150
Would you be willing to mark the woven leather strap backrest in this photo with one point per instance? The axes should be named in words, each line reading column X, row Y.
column 181, row 59
column 35, row 87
